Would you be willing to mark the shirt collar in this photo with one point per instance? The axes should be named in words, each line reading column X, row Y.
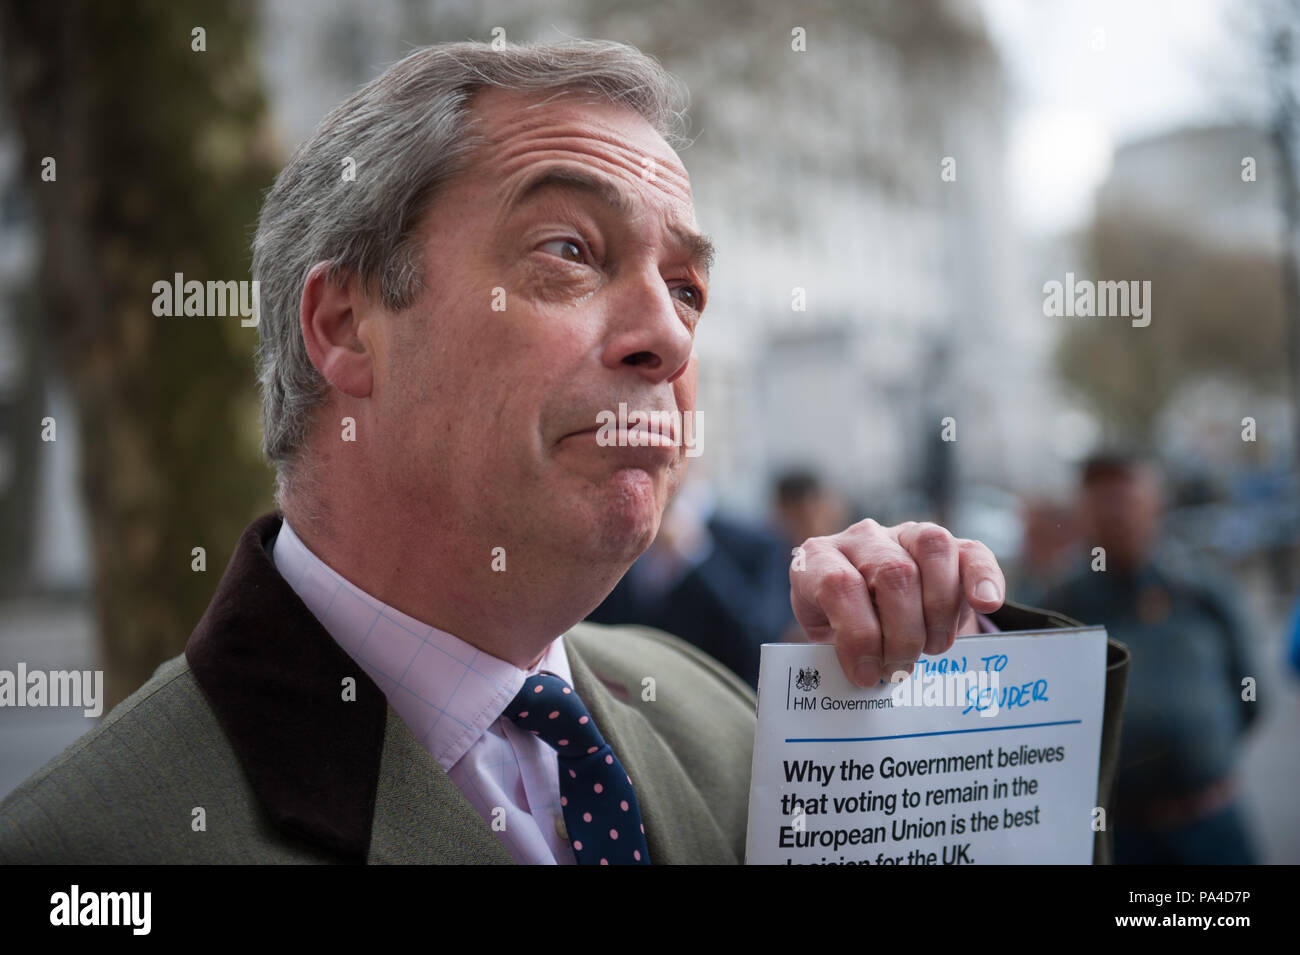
column 446, row 690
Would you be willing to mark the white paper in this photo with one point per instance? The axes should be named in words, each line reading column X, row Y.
column 1003, row 727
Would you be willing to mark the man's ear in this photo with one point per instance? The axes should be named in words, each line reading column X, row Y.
column 337, row 344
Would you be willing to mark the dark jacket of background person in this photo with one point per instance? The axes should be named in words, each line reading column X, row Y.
column 728, row 604
column 1185, row 716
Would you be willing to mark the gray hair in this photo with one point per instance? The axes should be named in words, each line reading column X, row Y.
column 407, row 132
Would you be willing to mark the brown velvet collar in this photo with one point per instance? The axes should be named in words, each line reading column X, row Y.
column 274, row 678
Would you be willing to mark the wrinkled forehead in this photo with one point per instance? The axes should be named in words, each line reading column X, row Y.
column 519, row 132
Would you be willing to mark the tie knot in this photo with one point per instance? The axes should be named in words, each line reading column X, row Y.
column 548, row 707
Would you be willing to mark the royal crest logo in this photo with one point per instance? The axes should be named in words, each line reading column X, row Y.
column 808, row 679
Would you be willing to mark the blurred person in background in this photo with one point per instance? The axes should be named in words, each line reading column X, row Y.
column 804, row 507
column 1048, row 542
column 1185, row 716
column 715, row 581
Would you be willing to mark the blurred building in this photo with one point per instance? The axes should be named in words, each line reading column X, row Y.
column 1152, row 178
column 829, row 179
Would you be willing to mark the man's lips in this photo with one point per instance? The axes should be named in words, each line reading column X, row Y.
column 626, row 439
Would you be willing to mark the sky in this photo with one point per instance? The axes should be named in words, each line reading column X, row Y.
column 1087, row 75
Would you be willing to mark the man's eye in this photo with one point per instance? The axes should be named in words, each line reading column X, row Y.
column 690, row 296
column 565, row 249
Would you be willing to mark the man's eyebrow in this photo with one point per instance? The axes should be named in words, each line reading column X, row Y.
column 574, row 180
column 699, row 247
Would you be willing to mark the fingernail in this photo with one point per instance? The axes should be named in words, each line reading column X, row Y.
column 895, row 669
column 867, row 672
column 986, row 589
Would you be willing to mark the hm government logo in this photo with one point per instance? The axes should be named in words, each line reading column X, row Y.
column 808, row 679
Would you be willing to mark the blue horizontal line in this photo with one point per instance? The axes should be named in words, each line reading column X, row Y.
column 875, row 739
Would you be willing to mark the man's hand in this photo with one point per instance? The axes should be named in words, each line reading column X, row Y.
column 885, row 594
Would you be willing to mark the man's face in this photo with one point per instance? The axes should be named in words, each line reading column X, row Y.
column 564, row 274
column 1121, row 512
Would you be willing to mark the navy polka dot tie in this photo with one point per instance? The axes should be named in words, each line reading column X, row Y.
column 600, row 809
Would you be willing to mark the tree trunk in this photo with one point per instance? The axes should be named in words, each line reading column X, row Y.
column 161, row 156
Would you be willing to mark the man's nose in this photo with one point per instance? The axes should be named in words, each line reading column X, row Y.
column 647, row 330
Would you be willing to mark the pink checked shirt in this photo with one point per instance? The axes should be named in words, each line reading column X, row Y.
column 452, row 696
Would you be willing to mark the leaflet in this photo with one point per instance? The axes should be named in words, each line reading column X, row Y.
column 985, row 754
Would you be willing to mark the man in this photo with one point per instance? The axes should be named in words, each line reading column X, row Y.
column 516, row 254
column 1188, row 705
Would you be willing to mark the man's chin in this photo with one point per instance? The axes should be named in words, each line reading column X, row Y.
column 630, row 506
